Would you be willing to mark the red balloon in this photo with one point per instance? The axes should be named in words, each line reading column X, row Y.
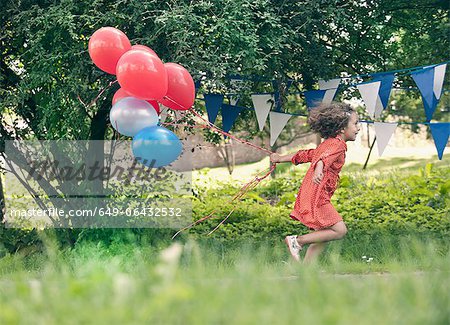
column 120, row 93
column 155, row 105
column 181, row 92
column 145, row 48
column 142, row 75
column 106, row 46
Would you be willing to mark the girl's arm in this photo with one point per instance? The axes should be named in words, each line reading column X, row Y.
column 318, row 172
column 302, row 156
column 276, row 158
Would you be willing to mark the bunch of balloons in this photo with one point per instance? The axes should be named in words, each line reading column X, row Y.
column 145, row 82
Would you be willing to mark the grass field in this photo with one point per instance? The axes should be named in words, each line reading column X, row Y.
column 407, row 281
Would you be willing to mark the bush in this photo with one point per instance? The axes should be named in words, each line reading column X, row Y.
column 393, row 203
column 396, row 202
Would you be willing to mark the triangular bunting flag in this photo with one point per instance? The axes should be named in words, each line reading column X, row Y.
column 369, row 93
column 329, row 84
column 440, row 132
column 277, row 123
column 384, row 93
column 439, row 74
column 430, row 81
column 213, row 103
column 384, row 133
column 262, row 105
column 424, row 81
column 329, row 95
column 314, row 98
column 229, row 115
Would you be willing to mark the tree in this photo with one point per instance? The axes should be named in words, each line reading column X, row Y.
column 48, row 85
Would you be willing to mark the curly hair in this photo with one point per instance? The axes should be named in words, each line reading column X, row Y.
column 329, row 119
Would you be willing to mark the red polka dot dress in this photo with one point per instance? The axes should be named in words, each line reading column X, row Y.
column 312, row 206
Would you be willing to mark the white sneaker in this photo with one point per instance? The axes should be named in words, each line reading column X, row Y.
column 293, row 246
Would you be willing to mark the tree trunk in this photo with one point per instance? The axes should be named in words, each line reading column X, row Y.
column 226, row 152
column 370, row 151
column 2, row 202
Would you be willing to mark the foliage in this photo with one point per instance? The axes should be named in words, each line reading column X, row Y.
column 394, row 202
column 45, row 65
column 48, row 85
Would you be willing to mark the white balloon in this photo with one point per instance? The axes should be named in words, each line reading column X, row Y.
column 130, row 115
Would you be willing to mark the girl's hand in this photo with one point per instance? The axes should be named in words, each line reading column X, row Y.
column 275, row 158
column 318, row 176
column 318, row 173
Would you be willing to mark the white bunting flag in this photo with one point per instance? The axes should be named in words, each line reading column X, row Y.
column 369, row 93
column 329, row 84
column 329, row 96
column 262, row 105
column 439, row 74
column 378, row 107
column 277, row 123
column 384, row 133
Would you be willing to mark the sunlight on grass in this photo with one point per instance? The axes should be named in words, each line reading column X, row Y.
column 200, row 282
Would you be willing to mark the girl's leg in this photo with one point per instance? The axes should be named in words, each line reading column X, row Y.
column 336, row 231
column 314, row 250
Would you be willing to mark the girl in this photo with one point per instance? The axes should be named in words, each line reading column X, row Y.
column 337, row 123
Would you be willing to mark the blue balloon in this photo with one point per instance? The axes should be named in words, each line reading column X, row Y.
column 156, row 146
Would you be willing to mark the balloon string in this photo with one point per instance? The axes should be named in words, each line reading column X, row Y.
column 98, row 95
column 186, row 125
column 217, row 129
column 102, row 91
column 238, row 196
column 244, row 189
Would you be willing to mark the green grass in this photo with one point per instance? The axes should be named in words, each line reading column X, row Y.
column 208, row 282
column 152, row 280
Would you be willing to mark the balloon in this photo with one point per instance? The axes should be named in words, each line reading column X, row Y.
column 130, row 115
column 106, row 46
column 181, row 92
column 156, row 146
column 142, row 75
column 122, row 94
column 155, row 105
column 144, row 48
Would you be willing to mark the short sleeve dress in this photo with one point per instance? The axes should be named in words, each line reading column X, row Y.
column 312, row 206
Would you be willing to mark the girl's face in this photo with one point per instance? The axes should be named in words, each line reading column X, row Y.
column 351, row 130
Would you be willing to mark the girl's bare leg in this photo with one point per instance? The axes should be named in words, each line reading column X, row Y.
column 336, row 231
column 313, row 252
